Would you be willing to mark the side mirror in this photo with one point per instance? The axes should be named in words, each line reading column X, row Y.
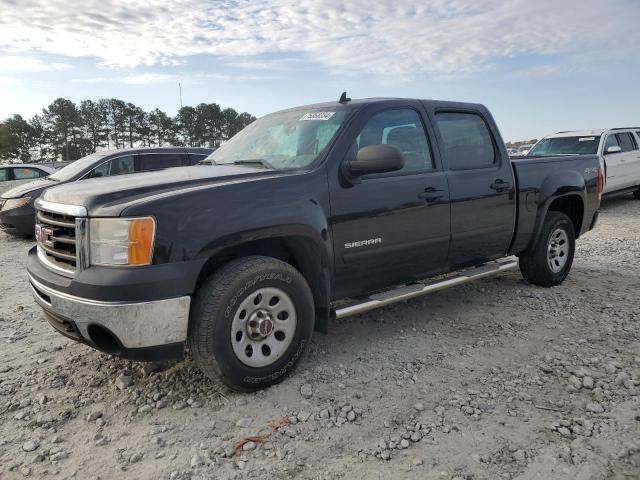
column 614, row 149
column 376, row 159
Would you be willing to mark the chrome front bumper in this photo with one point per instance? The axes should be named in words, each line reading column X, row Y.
column 135, row 324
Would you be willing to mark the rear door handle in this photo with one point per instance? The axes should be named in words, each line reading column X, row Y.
column 499, row 185
column 431, row 194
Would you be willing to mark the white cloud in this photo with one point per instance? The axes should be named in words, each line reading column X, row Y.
column 21, row 64
column 388, row 37
column 156, row 78
column 148, row 78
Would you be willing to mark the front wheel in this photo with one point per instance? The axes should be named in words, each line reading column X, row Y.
column 251, row 322
column 549, row 261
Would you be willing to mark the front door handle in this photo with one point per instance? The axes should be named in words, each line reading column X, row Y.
column 431, row 194
column 499, row 185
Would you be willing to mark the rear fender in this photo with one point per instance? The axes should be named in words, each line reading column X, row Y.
column 554, row 187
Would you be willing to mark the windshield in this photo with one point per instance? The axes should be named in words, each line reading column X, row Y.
column 282, row 140
column 74, row 168
column 587, row 145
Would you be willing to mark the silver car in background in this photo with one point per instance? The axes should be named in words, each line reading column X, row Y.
column 17, row 173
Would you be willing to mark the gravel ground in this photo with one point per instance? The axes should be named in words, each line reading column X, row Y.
column 497, row 379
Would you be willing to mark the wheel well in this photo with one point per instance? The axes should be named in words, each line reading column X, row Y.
column 299, row 252
column 572, row 206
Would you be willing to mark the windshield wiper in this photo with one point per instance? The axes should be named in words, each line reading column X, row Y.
column 255, row 161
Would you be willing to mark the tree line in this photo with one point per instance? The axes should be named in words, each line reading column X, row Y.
column 68, row 131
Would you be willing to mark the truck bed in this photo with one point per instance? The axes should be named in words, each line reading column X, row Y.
column 541, row 179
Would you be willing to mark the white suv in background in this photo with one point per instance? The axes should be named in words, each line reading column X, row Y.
column 618, row 149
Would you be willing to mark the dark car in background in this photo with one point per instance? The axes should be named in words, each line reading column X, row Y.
column 17, row 213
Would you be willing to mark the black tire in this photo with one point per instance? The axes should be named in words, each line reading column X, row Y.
column 215, row 306
column 535, row 264
column 636, row 194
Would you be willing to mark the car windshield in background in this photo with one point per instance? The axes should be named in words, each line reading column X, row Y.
column 73, row 169
column 586, row 145
column 284, row 140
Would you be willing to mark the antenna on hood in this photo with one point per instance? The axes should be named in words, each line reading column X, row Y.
column 344, row 98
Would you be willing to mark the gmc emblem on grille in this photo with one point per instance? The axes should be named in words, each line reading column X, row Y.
column 43, row 236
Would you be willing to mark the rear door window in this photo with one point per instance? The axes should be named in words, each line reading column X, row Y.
column 158, row 161
column 626, row 142
column 121, row 166
column 468, row 143
column 26, row 173
column 4, row 174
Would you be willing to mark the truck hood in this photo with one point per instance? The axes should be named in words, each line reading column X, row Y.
column 108, row 196
column 25, row 188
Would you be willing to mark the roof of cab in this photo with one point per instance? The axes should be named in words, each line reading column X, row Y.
column 203, row 150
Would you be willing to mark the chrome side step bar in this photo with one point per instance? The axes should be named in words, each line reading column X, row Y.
column 407, row 292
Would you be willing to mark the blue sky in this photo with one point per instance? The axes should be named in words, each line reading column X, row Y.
column 539, row 65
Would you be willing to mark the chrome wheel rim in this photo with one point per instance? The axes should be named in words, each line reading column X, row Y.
column 263, row 327
column 558, row 250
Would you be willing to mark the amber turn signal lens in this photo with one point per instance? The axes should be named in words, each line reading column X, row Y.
column 141, row 233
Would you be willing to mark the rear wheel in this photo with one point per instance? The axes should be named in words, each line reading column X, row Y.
column 636, row 194
column 549, row 261
column 250, row 323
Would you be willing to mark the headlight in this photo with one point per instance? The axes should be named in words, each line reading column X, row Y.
column 15, row 203
column 121, row 241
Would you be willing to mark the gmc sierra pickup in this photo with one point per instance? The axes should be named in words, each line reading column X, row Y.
column 318, row 211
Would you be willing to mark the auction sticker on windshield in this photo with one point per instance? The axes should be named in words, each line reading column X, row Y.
column 317, row 116
column 586, row 139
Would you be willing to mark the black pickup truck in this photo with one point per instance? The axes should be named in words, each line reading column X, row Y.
column 318, row 211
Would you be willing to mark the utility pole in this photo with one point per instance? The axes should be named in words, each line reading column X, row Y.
column 180, row 89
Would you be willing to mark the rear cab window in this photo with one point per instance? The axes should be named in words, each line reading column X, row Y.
column 4, row 174
column 158, row 161
column 468, row 143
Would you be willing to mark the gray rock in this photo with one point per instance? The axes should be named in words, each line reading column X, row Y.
column 546, row 368
column 124, row 381
column 304, row 415
column 244, row 422
column 621, row 378
column 306, row 390
column 197, row 461
column 30, row 445
column 44, row 418
column 93, row 416
column 59, row 456
column 595, row 407
column 587, row 382
column 519, row 456
column 419, row 406
column 247, row 447
column 136, row 457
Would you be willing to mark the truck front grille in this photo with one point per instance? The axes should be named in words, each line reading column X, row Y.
column 57, row 241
